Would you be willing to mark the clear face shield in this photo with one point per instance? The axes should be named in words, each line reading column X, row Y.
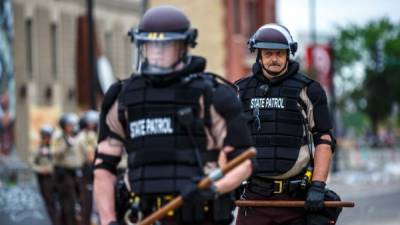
column 161, row 57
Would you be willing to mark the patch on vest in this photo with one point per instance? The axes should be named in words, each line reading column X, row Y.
column 268, row 103
column 151, row 126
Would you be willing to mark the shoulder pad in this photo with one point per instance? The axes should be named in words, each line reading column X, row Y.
column 213, row 78
column 109, row 98
column 111, row 94
column 303, row 78
column 246, row 82
column 220, row 79
column 243, row 79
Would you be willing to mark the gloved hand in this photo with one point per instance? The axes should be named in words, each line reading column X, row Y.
column 315, row 197
column 191, row 194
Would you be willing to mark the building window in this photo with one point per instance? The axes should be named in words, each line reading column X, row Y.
column 236, row 17
column 54, row 58
column 28, row 43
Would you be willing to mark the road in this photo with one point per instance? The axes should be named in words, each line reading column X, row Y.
column 378, row 209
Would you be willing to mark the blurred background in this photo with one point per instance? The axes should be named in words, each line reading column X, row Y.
column 60, row 56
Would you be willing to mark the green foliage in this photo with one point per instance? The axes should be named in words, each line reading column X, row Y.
column 356, row 120
column 376, row 94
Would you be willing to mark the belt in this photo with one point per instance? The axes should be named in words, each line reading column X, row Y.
column 272, row 186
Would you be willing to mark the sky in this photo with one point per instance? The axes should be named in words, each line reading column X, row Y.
column 330, row 14
column 294, row 14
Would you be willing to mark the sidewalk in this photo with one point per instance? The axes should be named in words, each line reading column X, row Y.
column 20, row 200
column 366, row 172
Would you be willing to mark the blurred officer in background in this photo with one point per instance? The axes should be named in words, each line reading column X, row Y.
column 176, row 122
column 289, row 112
column 68, row 164
column 87, row 142
column 42, row 161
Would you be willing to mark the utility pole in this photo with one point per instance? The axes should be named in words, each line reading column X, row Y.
column 92, row 55
column 313, row 21
column 335, row 159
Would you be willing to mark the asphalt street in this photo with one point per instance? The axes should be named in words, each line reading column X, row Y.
column 377, row 209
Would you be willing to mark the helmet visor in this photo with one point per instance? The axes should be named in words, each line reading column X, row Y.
column 156, row 36
column 271, row 45
column 161, row 56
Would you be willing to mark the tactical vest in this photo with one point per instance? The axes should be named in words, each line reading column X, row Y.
column 161, row 153
column 278, row 127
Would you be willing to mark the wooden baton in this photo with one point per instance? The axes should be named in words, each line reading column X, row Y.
column 290, row 204
column 203, row 184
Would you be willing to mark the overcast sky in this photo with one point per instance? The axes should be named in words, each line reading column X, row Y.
column 294, row 14
column 330, row 13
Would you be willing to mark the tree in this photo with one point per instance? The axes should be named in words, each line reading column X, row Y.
column 376, row 46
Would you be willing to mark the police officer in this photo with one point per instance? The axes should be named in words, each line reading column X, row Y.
column 42, row 162
column 68, row 164
column 87, row 142
column 176, row 122
column 289, row 112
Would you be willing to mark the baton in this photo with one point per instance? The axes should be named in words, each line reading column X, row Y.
column 289, row 204
column 203, row 184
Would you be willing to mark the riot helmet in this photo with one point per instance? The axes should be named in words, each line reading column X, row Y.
column 46, row 130
column 69, row 122
column 272, row 37
column 162, row 39
column 89, row 119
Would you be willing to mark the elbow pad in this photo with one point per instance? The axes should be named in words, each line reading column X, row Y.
column 108, row 162
column 318, row 140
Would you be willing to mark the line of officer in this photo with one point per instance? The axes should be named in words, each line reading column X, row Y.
column 176, row 122
column 68, row 163
column 87, row 143
column 287, row 109
column 42, row 162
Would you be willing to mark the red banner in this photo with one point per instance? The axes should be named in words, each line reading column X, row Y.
column 319, row 60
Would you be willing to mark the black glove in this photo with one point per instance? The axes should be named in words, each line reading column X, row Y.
column 315, row 197
column 192, row 194
column 113, row 223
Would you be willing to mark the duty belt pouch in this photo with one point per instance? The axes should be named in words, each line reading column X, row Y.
column 328, row 216
column 222, row 209
column 294, row 189
column 191, row 213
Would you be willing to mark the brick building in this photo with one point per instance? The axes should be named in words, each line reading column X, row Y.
column 46, row 55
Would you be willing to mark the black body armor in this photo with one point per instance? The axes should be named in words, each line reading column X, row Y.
column 163, row 148
column 278, row 126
